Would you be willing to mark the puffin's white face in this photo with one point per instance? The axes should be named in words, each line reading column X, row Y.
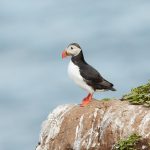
column 71, row 50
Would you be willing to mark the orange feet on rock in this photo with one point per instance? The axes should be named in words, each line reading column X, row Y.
column 86, row 100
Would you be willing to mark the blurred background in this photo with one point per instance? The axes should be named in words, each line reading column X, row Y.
column 115, row 38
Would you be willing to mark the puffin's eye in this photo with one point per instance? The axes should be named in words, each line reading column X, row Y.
column 71, row 47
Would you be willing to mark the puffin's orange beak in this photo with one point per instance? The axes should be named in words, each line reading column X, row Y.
column 64, row 54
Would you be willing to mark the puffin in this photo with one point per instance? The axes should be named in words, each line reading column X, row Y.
column 83, row 74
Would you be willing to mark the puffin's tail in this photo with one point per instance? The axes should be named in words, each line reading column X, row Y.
column 113, row 89
column 108, row 85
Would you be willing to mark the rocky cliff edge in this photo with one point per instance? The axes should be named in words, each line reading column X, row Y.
column 98, row 126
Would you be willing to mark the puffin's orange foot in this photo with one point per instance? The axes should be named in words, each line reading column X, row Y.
column 86, row 100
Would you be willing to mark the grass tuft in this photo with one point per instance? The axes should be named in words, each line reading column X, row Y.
column 106, row 99
column 128, row 143
column 139, row 95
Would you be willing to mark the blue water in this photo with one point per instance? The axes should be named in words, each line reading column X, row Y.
column 115, row 38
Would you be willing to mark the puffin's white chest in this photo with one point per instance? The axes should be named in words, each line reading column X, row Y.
column 74, row 74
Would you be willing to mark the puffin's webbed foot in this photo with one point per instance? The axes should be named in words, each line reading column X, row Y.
column 86, row 100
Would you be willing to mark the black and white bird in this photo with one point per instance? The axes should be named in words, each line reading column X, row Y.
column 83, row 74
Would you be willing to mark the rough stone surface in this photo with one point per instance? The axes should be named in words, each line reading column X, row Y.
column 97, row 126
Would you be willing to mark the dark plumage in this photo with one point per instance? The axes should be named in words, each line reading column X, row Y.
column 75, row 44
column 90, row 75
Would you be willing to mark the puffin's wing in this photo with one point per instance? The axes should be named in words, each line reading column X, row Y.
column 94, row 78
column 89, row 73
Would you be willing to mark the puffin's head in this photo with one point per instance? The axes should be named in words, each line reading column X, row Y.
column 72, row 50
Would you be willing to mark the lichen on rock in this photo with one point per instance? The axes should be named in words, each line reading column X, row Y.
column 51, row 127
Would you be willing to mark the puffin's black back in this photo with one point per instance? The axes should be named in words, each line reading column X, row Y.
column 90, row 75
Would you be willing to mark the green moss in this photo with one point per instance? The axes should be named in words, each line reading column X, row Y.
column 139, row 95
column 106, row 99
column 128, row 143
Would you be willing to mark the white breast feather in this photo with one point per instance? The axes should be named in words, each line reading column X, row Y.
column 74, row 74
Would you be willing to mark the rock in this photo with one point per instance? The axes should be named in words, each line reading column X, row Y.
column 97, row 126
